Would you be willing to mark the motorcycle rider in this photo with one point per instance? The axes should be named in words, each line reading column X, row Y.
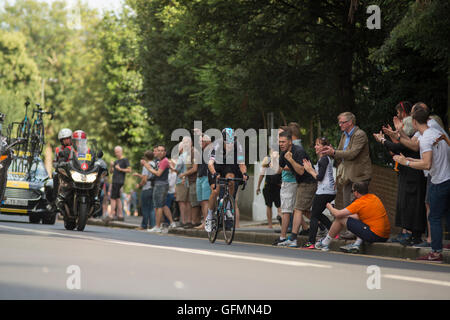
column 62, row 153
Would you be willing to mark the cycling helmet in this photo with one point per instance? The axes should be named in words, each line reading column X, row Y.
column 64, row 133
column 228, row 135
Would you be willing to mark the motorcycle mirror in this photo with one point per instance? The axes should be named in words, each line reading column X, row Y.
column 100, row 154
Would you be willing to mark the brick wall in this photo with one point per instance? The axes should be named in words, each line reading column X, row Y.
column 383, row 185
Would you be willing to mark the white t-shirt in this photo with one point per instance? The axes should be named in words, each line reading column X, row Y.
column 149, row 175
column 172, row 181
column 440, row 166
column 431, row 123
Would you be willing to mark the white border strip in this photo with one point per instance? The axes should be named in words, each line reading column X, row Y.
column 183, row 250
column 421, row 280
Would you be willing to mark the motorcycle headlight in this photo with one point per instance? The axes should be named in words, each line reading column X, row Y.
column 83, row 178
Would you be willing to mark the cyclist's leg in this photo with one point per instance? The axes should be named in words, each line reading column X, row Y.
column 212, row 201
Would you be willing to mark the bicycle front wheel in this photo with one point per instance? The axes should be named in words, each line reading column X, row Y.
column 228, row 219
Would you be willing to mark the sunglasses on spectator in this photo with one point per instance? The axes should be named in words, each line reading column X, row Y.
column 342, row 122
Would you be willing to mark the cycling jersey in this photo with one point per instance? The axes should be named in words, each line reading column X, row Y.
column 220, row 155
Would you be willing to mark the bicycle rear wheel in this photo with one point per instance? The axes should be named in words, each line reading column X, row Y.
column 212, row 236
column 228, row 222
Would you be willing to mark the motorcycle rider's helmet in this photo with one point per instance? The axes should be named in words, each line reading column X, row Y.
column 79, row 139
column 228, row 135
column 64, row 134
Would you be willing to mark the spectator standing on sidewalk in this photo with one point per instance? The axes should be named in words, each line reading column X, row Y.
column 353, row 158
column 300, row 196
column 435, row 157
column 366, row 217
column 182, row 183
column 202, row 184
column 161, row 188
column 272, row 185
column 191, row 176
column 326, row 190
column 146, row 183
column 171, row 193
column 294, row 157
column 287, row 193
column 119, row 169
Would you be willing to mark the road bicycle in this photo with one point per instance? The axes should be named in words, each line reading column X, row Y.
column 220, row 217
column 37, row 134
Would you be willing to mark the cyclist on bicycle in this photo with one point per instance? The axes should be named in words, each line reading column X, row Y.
column 227, row 160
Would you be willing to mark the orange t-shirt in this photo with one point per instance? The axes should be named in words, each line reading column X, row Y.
column 371, row 211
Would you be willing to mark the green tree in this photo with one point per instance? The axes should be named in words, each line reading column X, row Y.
column 18, row 75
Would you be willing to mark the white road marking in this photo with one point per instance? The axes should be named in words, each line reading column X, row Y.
column 183, row 250
column 421, row 280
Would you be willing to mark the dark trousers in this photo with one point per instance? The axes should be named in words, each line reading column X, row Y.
column 319, row 205
column 439, row 208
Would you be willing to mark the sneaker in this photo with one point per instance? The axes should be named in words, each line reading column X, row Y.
column 350, row 248
column 424, row 244
column 435, row 257
column 319, row 245
column 308, row 245
column 208, row 225
column 172, row 225
column 292, row 243
column 286, row 243
column 154, row 230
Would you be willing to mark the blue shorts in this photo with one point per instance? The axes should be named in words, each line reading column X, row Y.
column 203, row 189
column 362, row 230
column 169, row 199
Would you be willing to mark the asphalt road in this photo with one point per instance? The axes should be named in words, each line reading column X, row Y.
column 49, row 262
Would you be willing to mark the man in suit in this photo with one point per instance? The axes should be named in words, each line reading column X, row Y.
column 352, row 155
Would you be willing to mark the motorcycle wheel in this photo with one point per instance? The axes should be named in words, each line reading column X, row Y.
column 34, row 218
column 49, row 218
column 70, row 224
column 82, row 216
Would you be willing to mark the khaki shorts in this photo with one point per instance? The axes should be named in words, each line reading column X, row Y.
column 305, row 196
column 193, row 195
column 182, row 192
column 287, row 196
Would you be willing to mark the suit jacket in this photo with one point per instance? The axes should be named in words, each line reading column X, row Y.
column 354, row 163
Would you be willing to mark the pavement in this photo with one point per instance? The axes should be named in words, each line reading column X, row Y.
column 257, row 232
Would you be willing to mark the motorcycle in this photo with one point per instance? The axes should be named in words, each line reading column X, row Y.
column 79, row 187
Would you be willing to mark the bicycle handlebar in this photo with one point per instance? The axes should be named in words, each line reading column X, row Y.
column 223, row 181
